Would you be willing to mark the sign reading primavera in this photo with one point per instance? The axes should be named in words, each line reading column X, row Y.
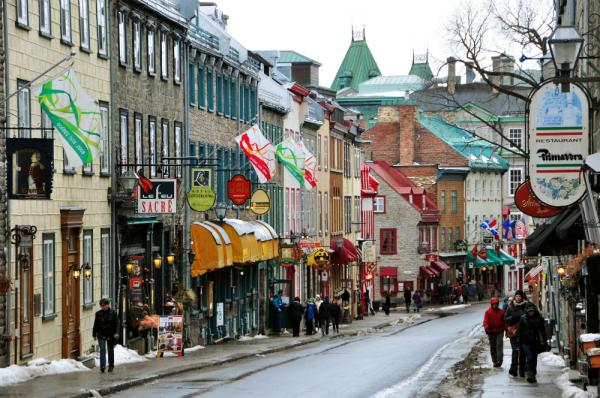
column 558, row 143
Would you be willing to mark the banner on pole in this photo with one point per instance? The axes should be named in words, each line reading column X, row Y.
column 291, row 155
column 260, row 151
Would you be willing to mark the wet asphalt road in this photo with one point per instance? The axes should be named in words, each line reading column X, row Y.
column 390, row 363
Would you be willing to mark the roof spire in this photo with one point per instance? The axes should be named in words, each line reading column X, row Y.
column 358, row 35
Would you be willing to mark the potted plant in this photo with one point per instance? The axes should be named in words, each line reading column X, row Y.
column 5, row 283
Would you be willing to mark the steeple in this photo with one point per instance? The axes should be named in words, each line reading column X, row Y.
column 420, row 66
column 358, row 64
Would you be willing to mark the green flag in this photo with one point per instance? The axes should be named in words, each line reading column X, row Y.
column 291, row 156
column 74, row 114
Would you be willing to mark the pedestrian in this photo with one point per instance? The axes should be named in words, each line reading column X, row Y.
column 407, row 298
column 277, row 309
column 369, row 303
column 309, row 317
column 448, row 292
column 335, row 312
column 346, row 305
column 324, row 316
column 318, row 303
column 494, row 325
column 457, row 293
column 480, row 289
column 514, row 311
column 465, row 292
column 417, row 300
column 105, row 329
column 296, row 312
column 387, row 304
column 531, row 337
column 472, row 289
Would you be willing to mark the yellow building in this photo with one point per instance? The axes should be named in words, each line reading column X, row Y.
column 53, row 301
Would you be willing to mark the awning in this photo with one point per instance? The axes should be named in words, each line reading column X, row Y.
column 477, row 262
column 428, row 272
column 492, row 257
column 274, row 237
column 440, row 266
column 210, row 248
column 506, row 258
column 265, row 241
column 345, row 255
column 534, row 273
column 392, row 272
column 138, row 220
column 557, row 234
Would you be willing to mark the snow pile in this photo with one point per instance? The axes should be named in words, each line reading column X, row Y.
column 122, row 356
column 549, row 359
column 39, row 367
column 165, row 354
column 194, row 348
column 569, row 390
column 450, row 307
column 589, row 337
column 249, row 338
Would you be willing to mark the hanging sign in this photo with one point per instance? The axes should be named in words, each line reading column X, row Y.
column 529, row 204
column 260, row 202
column 238, row 189
column 160, row 198
column 30, row 167
column 369, row 252
column 220, row 315
column 558, row 143
column 201, row 197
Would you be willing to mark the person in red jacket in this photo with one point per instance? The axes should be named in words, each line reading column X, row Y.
column 494, row 326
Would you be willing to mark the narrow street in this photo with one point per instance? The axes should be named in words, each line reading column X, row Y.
column 392, row 363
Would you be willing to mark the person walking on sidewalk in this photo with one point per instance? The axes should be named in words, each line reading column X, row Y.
column 335, row 312
column 318, row 303
column 309, row 317
column 494, row 325
column 407, row 298
column 417, row 300
column 277, row 309
column 387, row 304
column 296, row 312
column 532, row 339
column 324, row 316
column 105, row 329
column 514, row 311
column 369, row 303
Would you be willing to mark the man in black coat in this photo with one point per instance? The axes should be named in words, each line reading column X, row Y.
column 532, row 339
column 407, row 298
column 512, row 316
column 324, row 317
column 106, row 326
column 335, row 313
column 296, row 312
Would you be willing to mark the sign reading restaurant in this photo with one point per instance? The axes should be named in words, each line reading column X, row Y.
column 558, row 143
column 160, row 198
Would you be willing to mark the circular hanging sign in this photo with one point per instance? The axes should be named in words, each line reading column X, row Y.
column 238, row 189
column 260, row 202
column 558, row 143
column 529, row 204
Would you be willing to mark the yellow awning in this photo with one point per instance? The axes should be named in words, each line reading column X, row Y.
column 274, row 237
column 227, row 249
column 243, row 241
column 211, row 248
column 265, row 240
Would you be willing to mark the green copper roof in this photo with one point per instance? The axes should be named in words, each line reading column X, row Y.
column 422, row 70
column 480, row 154
column 358, row 66
column 293, row 57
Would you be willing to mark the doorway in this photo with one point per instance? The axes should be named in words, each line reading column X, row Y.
column 26, row 302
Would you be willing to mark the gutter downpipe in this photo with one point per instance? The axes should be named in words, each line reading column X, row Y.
column 7, row 249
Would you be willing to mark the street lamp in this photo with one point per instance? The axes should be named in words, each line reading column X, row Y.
column 87, row 271
column 170, row 258
column 157, row 260
column 565, row 46
column 561, row 270
column 129, row 267
column 220, row 210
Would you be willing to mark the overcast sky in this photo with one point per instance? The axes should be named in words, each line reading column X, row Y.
column 321, row 29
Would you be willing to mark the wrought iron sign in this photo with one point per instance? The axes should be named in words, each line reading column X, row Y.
column 30, row 166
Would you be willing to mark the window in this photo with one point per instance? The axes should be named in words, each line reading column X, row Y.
column 45, row 18
column 65, row 21
column 192, row 84
column 123, row 122
column 242, row 114
column 210, row 90
column 389, row 285
column 326, row 152
column 24, row 109
column 48, row 271
column 326, row 212
column 84, row 25
column 253, row 104
column 102, row 36
column 388, row 241
column 454, row 202
column 152, row 146
column 347, row 214
column 219, row 94
column 443, row 239
column 107, row 275
column 357, row 213
column 442, row 202
column 178, row 146
column 122, row 37
column 379, row 204
column 164, row 56
column 151, row 51
column 88, row 283
column 165, row 146
column 247, row 104
column 138, row 133
column 137, row 45
column 45, row 124
column 515, row 176
column 516, row 138
column 476, row 190
column 177, row 60
column 233, row 92
column 346, row 159
column 356, row 162
column 105, row 149
column 450, row 239
column 23, row 13
column 226, row 104
column 457, row 233
column 201, row 90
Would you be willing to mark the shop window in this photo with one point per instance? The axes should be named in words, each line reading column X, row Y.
column 389, row 285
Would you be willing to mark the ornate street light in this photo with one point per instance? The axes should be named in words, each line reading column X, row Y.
column 129, row 267
column 87, row 271
column 561, row 270
column 191, row 256
column 565, row 47
column 220, row 210
column 170, row 258
column 157, row 260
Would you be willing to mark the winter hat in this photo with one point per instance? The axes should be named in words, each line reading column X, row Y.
column 521, row 293
column 530, row 307
column 494, row 300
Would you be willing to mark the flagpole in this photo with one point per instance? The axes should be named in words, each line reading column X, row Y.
column 27, row 85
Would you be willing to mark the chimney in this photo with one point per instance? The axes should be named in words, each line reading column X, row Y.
column 451, row 84
column 470, row 73
column 496, row 67
column 507, row 66
column 408, row 116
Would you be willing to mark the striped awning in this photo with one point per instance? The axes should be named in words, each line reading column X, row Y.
column 534, row 273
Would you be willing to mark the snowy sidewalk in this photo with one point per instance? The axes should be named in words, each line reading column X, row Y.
column 552, row 377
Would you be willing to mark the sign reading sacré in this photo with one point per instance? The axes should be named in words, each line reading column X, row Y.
column 160, row 198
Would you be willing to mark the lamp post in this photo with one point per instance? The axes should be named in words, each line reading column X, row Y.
column 565, row 47
column 220, row 210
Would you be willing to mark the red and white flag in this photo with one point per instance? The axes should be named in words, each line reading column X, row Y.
column 260, row 151
column 310, row 169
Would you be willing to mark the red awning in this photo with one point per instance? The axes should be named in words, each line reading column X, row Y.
column 534, row 273
column 428, row 272
column 440, row 266
column 345, row 255
column 388, row 271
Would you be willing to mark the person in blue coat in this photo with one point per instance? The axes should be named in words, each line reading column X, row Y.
column 309, row 316
column 277, row 309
